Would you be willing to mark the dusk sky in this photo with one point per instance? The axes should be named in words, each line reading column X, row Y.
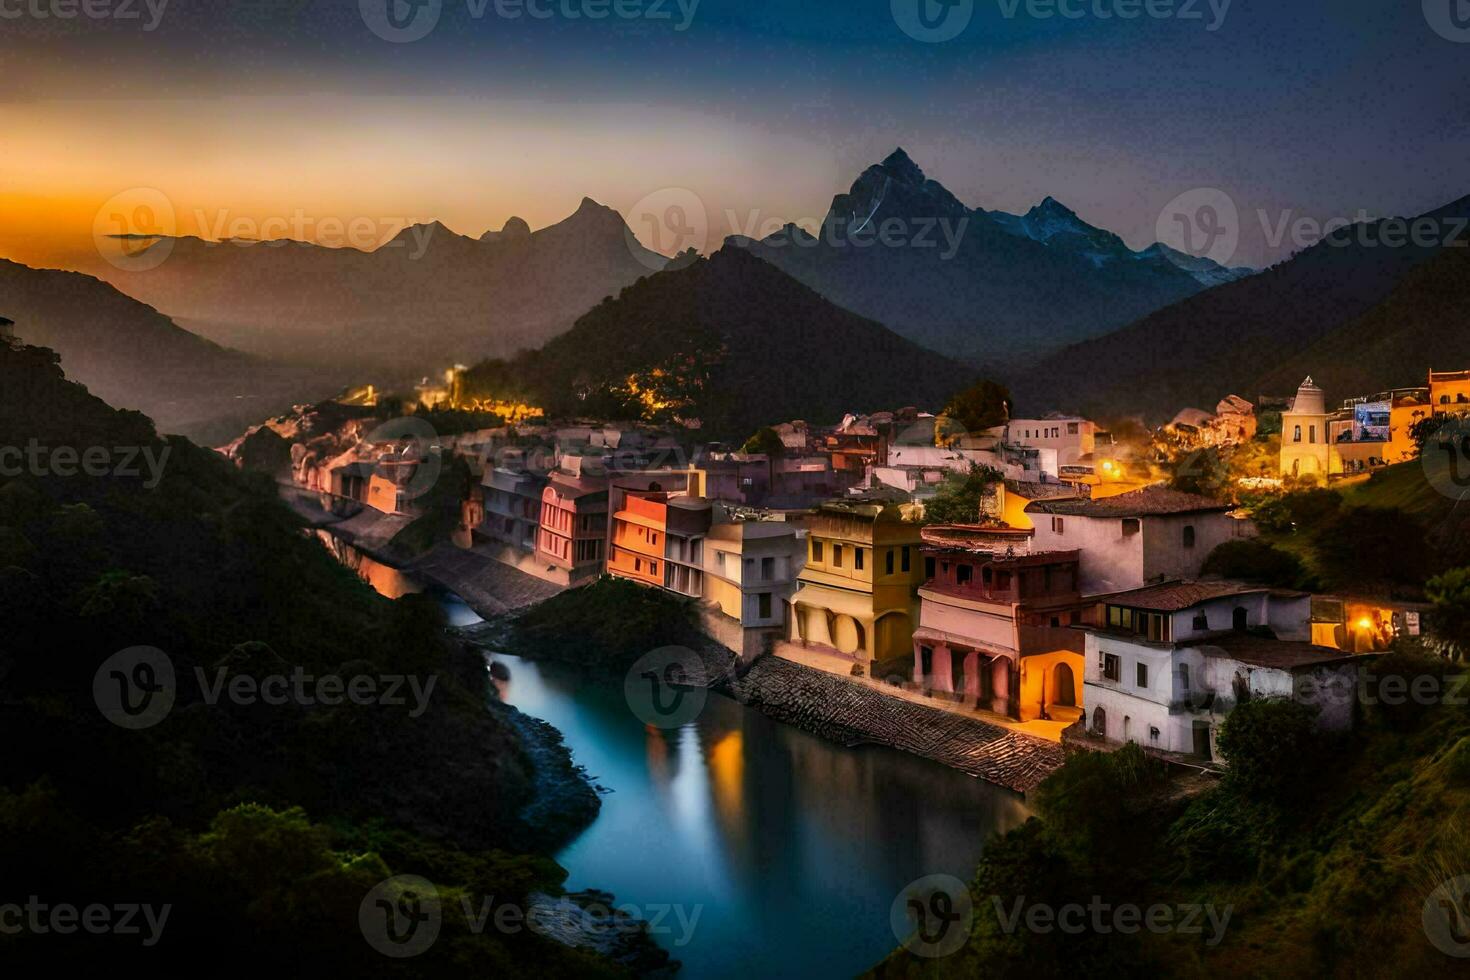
column 264, row 109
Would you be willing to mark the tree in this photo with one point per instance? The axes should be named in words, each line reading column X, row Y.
column 766, row 442
column 1253, row 560
column 959, row 497
column 1369, row 545
column 1271, row 745
column 979, row 407
column 1450, row 594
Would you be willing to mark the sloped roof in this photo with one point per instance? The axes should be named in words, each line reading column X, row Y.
column 1177, row 596
column 1265, row 651
column 1155, row 501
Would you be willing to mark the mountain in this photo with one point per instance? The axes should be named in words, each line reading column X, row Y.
column 983, row 286
column 132, row 356
column 418, row 303
column 732, row 341
column 1356, row 314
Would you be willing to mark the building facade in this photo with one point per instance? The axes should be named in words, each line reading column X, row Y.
column 995, row 624
column 1165, row 665
column 657, row 539
column 751, row 568
column 572, row 534
column 858, row 593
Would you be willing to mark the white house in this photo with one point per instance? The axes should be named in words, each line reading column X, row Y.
column 1135, row 539
column 1064, row 439
column 1164, row 665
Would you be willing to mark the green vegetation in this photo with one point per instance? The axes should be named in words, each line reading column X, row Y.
column 610, row 623
column 766, row 442
column 984, row 405
column 1253, row 560
column 958, row 498
column 262, row 824
column 1321, row 849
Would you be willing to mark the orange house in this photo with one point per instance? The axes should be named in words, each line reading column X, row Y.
column 639, row 531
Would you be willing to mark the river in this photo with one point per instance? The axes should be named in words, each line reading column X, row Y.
column 777, row 853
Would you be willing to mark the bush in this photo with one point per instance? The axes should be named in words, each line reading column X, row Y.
column 1366, row 546
column 610, row 623
column 1271, row 746
column 1405, row 685
column 1253, row 560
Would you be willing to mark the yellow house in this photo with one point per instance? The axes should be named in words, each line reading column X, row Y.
column 1449, row 391
column 858, row 593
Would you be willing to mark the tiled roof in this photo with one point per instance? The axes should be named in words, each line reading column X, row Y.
column 1152, row 501
column 1265, row 651
column 1043, row 491
column 1175, row 596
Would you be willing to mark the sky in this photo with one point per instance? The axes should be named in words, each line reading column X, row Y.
column 302, row 118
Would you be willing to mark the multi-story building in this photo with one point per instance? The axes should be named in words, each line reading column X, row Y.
column 995, row 623
column 1449, row 391
column 657, row 538
column 1306, row 443
column 1377, row 431
column 858, row 593
column 1165, row 665
column 572, row 536
column 511, row 507
column 1135, row 539
column 1062, row 439
column 751, row 567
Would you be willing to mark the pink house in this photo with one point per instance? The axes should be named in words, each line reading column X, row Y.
column 573, row 532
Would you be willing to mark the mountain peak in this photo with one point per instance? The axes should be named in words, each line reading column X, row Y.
column 1051, row 207
column 903, row 167
column 516, row 229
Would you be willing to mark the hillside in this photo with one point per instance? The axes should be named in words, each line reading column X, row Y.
column 265, row 820
column 732, row 341
column 988, row 288
column 459, row 298
column 134, row 357
column 1262, row 335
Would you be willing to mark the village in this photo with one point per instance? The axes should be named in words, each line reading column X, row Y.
column 1071, row 603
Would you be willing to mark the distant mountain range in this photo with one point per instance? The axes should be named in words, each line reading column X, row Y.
column 1356, row 314
column 132, row 356
column 984, row 286
column 732, row 341
column 418, row 303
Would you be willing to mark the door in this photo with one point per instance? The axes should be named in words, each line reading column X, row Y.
column 1063, row 686
column 1202, row 739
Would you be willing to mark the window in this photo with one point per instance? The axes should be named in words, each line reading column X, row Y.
column 1296, row 434
column 965, row 573
column 1112, row 667
column 768, row 568
column 1189, row 535
column 888, row 562
column 1071, row 428
column 765, row 605
column 1058, row 526
column 837, row 556
column 1131, row 525
column 1311, row 433
column 1201, row 621
column 928, row 568
column 907, row 558
column 1184, row 677
column 858, row 560
column 816, row 550
column 1143, row 675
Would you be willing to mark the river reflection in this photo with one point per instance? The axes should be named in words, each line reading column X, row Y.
column 792, row 848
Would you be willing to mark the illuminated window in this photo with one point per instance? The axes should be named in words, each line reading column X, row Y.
column 1297, row 434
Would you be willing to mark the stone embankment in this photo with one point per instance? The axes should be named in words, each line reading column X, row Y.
column 854, row 714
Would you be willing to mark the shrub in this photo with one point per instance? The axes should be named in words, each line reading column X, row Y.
column 1271, row 746
column 1254, row 560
